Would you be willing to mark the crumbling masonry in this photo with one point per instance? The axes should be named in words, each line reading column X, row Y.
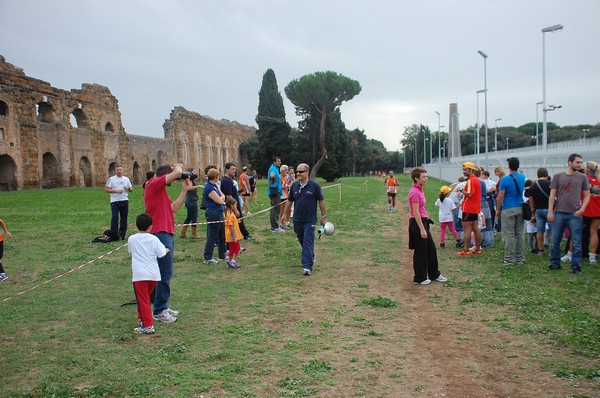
column 52, row 138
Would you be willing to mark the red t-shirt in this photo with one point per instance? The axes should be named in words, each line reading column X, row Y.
column 472, row 204
column 593, row 208
column 158, row 205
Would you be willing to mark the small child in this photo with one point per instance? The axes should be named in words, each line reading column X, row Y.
column 145, row 250
column 446, row 218
column 5, row 232
column 531, row 228
column 232, row 232
column 481, row 223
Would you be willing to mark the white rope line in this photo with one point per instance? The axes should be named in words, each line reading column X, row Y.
column 65, row 273
column 125, row 245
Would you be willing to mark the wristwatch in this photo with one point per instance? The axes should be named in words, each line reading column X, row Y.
column 323, row 216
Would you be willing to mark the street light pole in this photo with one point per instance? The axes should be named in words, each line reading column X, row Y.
column 537, row 123
column 477, row 128
column 416, row 158
column 496, row 134
column 484, row 55
column 585, row 131
column 439, row 147
column 553, row 28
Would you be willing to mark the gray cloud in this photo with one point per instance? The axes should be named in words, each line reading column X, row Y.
column 411, row 58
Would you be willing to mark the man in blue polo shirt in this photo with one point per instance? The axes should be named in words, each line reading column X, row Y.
column 305, row 194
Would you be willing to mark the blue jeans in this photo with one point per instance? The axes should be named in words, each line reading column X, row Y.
column 162, row 292
column 192, row 212
column 215, row 233
column 575, row 225
column 119, row 208
column 305, row 231
column 541, row 218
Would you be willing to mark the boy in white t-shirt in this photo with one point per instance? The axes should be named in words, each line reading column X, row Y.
column 145, row 250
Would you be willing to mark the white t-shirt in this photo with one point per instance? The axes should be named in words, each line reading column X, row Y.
column 145, row 250
column 445, row 212
column 121, row 183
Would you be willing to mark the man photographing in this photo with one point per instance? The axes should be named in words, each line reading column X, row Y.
column 161, row 208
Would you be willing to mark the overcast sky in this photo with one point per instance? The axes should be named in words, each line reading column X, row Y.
column 412, row 58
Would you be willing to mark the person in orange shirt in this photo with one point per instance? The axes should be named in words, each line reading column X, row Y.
column 471, row 209
column 246, row 190
column 232, row 232
column 391, row 185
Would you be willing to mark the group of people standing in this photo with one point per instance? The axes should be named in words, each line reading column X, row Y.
column 153, row 246
column 567, row 204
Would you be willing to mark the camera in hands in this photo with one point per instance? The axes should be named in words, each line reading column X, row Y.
column 188, row 174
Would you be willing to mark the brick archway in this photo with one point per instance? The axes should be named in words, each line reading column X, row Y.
column 8, row 173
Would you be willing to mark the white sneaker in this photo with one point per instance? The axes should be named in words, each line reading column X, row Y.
column 164, row 317
column 566, row 258
column 172, row 312
column 143, row 330
column 592, row 259
column 211, row 261
column 441, row 278
column 425, row 282
column 307, row 272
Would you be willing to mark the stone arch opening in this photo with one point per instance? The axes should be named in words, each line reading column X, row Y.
column 161, row 157
column 45, row 113
column 85, row 172
column 111, row 169
column 137, row 174
column 154, row 165
column 8, row 174
column 81, row 119
column 2, row 135
column 49, row 171
column 109, row 127
column 3, row 109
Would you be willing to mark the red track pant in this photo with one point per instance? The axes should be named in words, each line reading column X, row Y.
column 143, row 290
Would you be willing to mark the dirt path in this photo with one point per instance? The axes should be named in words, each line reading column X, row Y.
column 432, row 346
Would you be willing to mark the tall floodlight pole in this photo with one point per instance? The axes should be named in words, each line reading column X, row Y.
column 416, row 159
column 439, row 146
column 585, row 131
column 477, row 127
column 496, row 134
column 553, row 28
column 424, row 148
column 484, row 55
column 537, row 123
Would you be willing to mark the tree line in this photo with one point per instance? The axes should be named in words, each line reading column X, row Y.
column 322, row 140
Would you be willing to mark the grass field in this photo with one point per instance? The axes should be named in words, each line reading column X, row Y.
column 263, row 330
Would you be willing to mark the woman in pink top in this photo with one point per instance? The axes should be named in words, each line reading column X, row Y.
column 425, row 263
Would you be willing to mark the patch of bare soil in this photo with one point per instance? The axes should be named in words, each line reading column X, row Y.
column 430, row 346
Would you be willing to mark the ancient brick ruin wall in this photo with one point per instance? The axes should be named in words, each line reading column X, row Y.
column 56, row 138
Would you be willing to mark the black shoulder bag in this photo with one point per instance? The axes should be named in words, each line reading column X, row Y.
column 524, row 206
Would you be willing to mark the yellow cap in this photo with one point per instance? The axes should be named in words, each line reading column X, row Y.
column 469, row 165
column 445, row 190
